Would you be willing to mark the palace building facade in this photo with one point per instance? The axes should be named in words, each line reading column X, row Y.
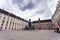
column 43, row 24
column 10, row 21
column 56, row 17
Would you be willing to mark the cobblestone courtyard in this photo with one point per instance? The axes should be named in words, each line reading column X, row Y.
column 29, row 35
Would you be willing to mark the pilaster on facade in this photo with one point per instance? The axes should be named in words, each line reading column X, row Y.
column 9, row 21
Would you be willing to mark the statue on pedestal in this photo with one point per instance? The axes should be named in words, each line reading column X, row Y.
column 29, row 27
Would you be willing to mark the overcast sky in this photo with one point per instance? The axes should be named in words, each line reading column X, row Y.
column 30, row 9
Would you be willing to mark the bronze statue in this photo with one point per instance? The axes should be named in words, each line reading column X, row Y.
column 30, row 26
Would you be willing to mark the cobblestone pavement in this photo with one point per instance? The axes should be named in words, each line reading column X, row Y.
column 29, row 35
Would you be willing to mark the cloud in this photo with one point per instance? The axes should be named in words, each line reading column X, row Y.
column 27, row 4
column 30, row 8
column 52, row 5
column 2, row 2
column 44, row 10
column 17, row 1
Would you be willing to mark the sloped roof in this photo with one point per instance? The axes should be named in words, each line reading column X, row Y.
column 48, row 20
column 12, row 15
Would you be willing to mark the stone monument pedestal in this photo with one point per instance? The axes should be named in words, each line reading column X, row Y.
column 30, row 26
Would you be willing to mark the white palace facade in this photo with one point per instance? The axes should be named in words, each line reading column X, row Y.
column 56, row 17
column 9, row 21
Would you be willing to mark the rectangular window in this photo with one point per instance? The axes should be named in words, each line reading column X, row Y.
column 9, row 27
column 7, row 22
column 12, row 28
column 17, row 24
column 10, row 23
column 3, row 21
column 0, row 16
column 5, row 27
column 13, row 23
column 0, row 28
